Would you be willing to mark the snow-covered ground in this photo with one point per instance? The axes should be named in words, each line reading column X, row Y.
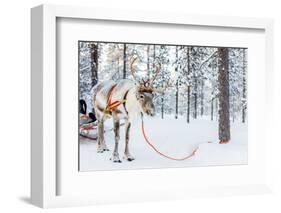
column 173, row 137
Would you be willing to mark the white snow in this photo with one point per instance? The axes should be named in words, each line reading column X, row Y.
column 173, row 137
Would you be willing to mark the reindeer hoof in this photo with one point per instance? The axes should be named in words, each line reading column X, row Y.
column 129, row 158
column 100, row 150
column 115, row 158
column 223, row 142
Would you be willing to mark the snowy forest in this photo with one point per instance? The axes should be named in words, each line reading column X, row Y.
column 193, row 71
column 205, row 83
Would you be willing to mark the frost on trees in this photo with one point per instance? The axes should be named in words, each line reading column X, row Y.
column 85, row 74
column 198, row 87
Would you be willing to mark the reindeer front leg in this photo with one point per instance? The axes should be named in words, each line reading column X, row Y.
column 127, row 155
column 115, row 156
column 101, row 143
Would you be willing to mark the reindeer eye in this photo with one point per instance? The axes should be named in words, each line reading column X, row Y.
column 141, row 96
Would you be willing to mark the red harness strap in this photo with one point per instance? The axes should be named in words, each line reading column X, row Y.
column 110, row 106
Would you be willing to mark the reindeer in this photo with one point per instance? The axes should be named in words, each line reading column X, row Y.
column 122, row 100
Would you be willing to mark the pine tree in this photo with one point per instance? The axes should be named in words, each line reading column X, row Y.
column 124, row 60
column 94, row 63
column 177, row 84
column 244, row 103
column 188, row 86
column 223, row 79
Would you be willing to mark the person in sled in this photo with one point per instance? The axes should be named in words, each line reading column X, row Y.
column 84, row 117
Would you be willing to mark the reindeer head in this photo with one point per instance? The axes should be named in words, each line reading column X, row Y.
column 145, row 97
column 145, row 91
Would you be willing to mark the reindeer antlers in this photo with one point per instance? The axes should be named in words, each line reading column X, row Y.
column 158, row 67
column 132, row 69
column 163, row 89
column 167, row 83
column 147, row 84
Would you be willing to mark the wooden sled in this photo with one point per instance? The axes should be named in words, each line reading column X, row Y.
column 88, row 127
column 90, row 130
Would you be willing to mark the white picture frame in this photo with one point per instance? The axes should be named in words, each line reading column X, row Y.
column 44, row 169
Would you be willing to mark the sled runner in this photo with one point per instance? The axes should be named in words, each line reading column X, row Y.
column 88, row 127
column 90, row 130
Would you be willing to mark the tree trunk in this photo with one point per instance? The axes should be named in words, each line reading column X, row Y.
column 212, row 109
column 202, row 99
column 177, row 86
column 154, row 55
column 188, row 87
column 177, row 99
column 118, row 66
column 188, row 104
column 124, row 61
column 94, row 63
column 148, row 61
column 244, row 105
column 233, row 109
column 223, row 78
column 195, row 106
column 195, row 99
column 195, row 96
column 162, row 107
column 217, row 109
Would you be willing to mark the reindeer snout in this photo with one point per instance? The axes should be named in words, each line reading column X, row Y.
column 151, row 111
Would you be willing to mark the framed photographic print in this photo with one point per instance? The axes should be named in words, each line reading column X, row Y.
column 131, row 102
column 179, row 88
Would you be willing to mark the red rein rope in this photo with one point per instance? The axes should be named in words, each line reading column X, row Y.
column 162, row 154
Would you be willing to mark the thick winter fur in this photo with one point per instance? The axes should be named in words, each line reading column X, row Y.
column 138, row 99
